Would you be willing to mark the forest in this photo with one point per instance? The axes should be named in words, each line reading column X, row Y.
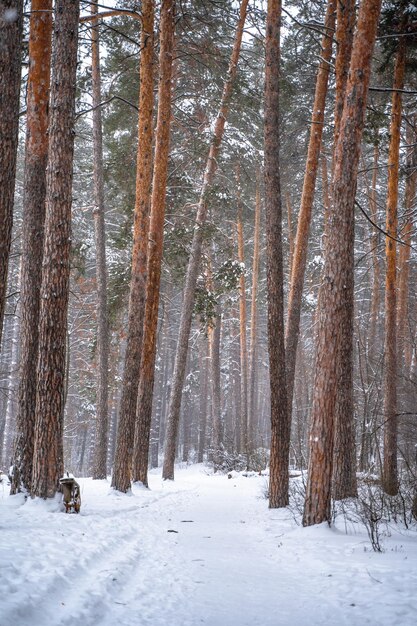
column 208, row 268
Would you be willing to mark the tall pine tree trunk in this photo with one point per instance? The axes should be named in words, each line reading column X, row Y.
column 376, row 273
column 195, row 256
column 36, row 155
column 216, row 440
column 403, row 338
column 245, row 443
column 156, row 242
column 51, row 371
column 337, row 283
column 390, row 470
column 101, row 437
column 127, row 413
column 307, row 198
column 280, row 422
column 253, row 422
column 204, row 380
column 11, row 23
column 344, row 462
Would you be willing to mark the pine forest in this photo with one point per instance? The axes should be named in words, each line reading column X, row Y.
column 208, row 312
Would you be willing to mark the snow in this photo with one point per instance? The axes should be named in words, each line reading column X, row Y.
column 204, row 549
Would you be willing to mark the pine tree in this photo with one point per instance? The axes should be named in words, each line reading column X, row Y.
column 390, row 471
column 11, row 24
column 36, row 155
column 280, row 423
column 156, row 238
column 127, row 413
column 101, row 437
column 337, row 282
column 195, row 256
column 51, row 371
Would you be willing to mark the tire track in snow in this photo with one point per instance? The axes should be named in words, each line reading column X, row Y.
column 81, row 582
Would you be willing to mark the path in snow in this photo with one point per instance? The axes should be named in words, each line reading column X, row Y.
column 230, row 562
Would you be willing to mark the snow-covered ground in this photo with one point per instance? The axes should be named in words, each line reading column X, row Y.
column 202, row 550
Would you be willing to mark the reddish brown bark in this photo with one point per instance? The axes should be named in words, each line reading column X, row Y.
column 195, row 256
column 280, row 422
column 11, row 20
column 390, row 469
column 51, row 371
column 101, row 435
column 337, row 284
column 127, row 413
column 307, row 198
column 345, row 25
column 36, row 155
column 156, row 241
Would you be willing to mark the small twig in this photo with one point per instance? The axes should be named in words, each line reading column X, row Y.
column 373, row 578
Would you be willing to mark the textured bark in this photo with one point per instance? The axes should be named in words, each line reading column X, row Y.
column 307, row 198
column 9, row 390
column 344, row 468
column 195, row 256
column 390, row 469
column 36, row 155
column 337, row 277
column 127, row 413
column 245, row 443
column 290, row 232
column 344, row 37
column 326, row 189
column 11, row 20
column 204, row 379
column 101, row 437
column 48, row 445
column 376, row 272
column 156, row 242
column 216, row 441
column 253, row 322
column 404, row 342
column 280, row 423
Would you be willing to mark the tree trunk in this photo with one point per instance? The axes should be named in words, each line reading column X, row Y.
column 245, row 443
column 345, row 25
column 290, row 233
column 280, row 423
column 376, row 273
column 344, row 462
column 127, row 415
column 36, row 155
column 195, row 256
column 202, row 424
column 11, row 22
column 253, row 321
column 337, row 283
column 156, row 242
column 403, row 337
column 390, row 470
column 10, row 390
column 101, row 437
column 307, row 198
column 48, row 444
column 216, row 440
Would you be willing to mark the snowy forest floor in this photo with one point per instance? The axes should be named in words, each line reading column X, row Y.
column 202, row 550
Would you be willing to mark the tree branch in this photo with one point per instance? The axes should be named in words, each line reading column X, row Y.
column 107, row 102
